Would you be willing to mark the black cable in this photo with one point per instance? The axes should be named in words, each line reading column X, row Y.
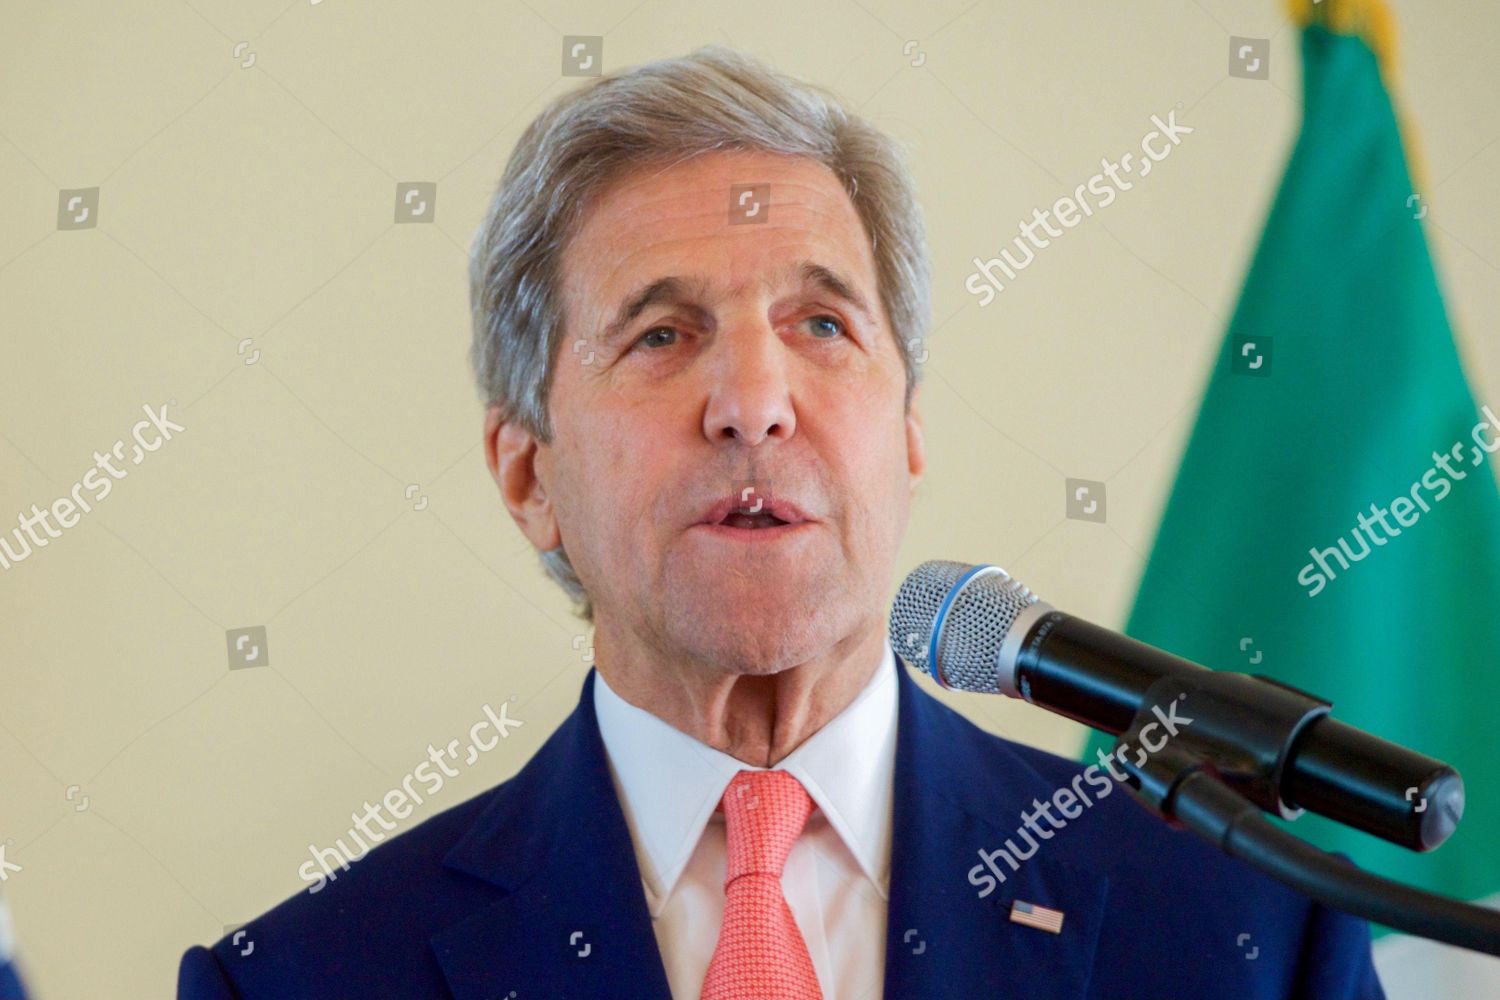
column 1216, row 812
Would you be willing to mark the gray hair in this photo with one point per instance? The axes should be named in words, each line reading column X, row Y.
column 714, row 98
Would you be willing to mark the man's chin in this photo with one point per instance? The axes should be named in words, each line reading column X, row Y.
column 759, row 627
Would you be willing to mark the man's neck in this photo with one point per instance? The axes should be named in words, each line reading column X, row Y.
column 755, row 718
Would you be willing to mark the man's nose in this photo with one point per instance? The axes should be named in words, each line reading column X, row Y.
column 750, row 398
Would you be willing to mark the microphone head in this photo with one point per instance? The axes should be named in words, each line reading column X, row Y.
column 950, row 620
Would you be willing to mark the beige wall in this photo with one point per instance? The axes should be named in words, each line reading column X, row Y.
column 255, row 204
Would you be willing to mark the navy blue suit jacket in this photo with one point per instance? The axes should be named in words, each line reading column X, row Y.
column 531, row 890
column 10, row 983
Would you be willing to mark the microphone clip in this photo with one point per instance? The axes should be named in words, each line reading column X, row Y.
column 1240, row 728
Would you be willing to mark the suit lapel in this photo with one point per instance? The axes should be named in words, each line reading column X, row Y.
column 573, row 921
column 570, row 921
column 957, row 792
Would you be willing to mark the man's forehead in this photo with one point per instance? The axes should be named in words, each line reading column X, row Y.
column 701, row 187
column 779, row 273
column 677, row 221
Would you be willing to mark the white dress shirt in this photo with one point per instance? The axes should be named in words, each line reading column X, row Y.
column 836, row 879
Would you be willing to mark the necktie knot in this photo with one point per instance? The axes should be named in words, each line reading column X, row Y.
column 764, row 813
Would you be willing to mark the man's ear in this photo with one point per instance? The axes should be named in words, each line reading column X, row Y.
column 916, row 442
column 510, row 451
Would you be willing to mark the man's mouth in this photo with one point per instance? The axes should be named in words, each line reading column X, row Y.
column 756, row 513
column 742, row 519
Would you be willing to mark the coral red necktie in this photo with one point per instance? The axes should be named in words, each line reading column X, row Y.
column 761, row 954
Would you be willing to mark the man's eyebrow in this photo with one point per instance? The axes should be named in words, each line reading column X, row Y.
column 668, row 289
column 680, row 290
column 834, row 284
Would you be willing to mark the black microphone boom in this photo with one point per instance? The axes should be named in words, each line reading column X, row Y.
column 974, row 628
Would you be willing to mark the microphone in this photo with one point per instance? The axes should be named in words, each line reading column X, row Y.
column 975, row 628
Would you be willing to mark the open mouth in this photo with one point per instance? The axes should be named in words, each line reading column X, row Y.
column 741, row 519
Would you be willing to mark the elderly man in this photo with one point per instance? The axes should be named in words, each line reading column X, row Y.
column 699, row 297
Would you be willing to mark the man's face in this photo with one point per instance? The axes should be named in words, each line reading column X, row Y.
column 766, row 375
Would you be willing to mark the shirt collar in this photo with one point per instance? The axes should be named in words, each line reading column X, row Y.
column 670, row 783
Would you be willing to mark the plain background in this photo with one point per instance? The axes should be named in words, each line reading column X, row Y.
column 257, row 203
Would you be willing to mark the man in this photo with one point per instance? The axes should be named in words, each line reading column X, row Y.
column 11, row 987
column 699, row 298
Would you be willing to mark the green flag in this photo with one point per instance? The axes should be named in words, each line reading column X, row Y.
column 1335, row 522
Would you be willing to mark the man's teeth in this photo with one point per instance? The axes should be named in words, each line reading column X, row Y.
column 741, row 519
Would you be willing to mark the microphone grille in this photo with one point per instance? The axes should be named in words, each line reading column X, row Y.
column 971, row 607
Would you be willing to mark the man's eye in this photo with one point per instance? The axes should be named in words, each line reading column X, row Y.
column 653, row 338
column 821, row 325
column 824, row 328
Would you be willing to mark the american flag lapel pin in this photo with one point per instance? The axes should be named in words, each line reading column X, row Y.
column 1040, row 917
